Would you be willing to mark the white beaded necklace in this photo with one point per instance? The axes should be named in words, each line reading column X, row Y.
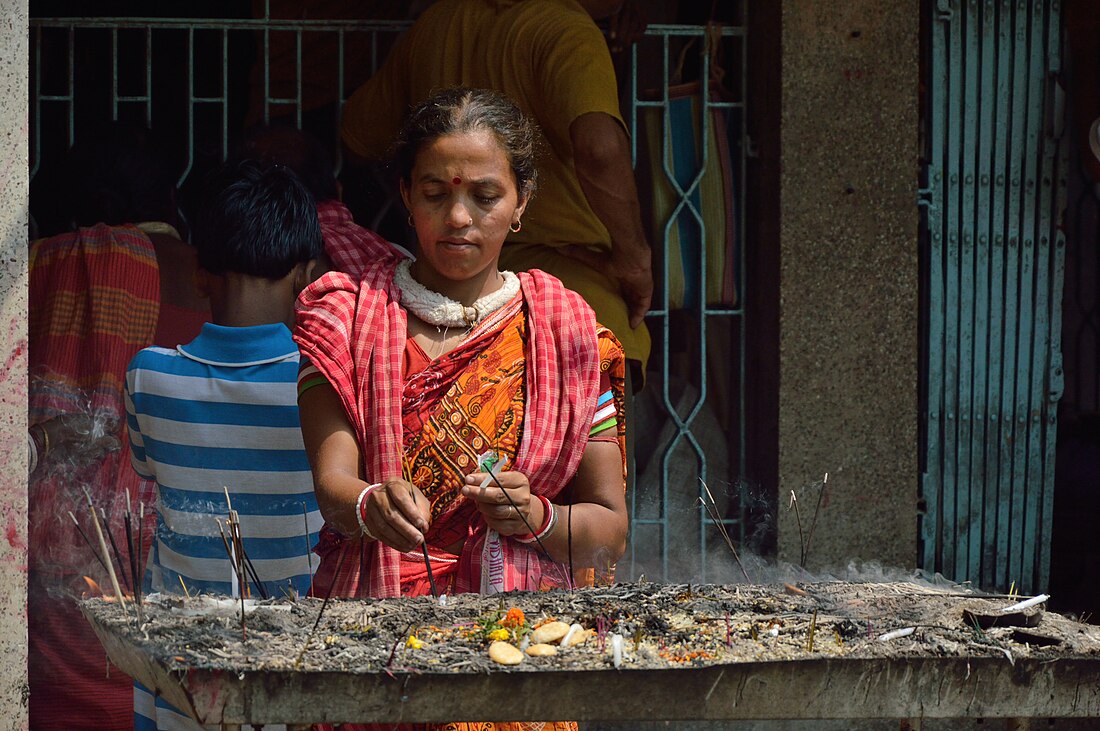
column 442, row 311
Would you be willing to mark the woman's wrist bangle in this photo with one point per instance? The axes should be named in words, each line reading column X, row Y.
column 549, row 522
column 41, row 440
column 361, row 507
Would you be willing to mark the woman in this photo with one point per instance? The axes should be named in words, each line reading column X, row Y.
column 421, row 371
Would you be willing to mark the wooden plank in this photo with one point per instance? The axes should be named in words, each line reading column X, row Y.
column 932, row 477
column 1016, row 123
column 1022, row 542
column 954, row 215
column 1036, row 525
column 995, row 387
column 987, row 135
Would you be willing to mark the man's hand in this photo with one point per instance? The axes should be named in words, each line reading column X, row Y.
column 601, row 157
column 634, row 275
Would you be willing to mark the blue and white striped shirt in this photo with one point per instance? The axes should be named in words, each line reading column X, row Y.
column 222, row 412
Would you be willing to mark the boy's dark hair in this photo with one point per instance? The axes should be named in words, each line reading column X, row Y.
column 298, row 150
column 256, row 219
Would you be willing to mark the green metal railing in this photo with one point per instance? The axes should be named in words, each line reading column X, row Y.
column 694, row 385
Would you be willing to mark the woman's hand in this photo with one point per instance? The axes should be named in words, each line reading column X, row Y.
column 397, row 514
column 505, row 516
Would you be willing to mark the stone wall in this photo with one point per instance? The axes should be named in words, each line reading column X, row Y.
column 849, row 278
column 13, row 375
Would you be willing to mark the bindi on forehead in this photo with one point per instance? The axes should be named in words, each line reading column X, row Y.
column 456, row 180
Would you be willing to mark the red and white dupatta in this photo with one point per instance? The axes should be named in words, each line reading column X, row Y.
column 354, row 332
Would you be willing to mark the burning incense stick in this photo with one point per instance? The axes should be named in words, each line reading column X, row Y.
column 716, row 518
column 230, row 554
column 248, row 569
column 106, row 556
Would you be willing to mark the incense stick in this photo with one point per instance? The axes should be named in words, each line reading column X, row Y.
column 309, row 549
column 428, row 565
column 716, row 518
column 114, row 547
column 229, row 552
column 328, row 595
column 141, row 548
column 87, row 540
column 130, row 547
column 106, row 556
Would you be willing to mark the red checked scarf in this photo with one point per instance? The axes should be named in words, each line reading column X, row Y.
column 355, row 333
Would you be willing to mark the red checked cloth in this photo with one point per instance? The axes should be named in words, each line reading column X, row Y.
column 351, row 247
column 354, row 332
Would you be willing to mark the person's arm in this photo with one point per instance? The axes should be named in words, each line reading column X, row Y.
column 598, row 523
column 397, row 513
column 601, row 157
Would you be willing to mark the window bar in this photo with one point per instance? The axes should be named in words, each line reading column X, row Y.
column 703, row 324
column 37, row 102
column 148, row 77
column 225, row 94
column 338, row 156
column 267, row 65
column 298, row 68
column 72, row 85
column 666, row 330
column 741, row 247
column 190, row 107
column 114, row 74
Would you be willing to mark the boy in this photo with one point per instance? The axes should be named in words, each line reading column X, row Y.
column 220, row 412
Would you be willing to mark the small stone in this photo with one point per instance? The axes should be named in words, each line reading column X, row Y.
column 542, row 650
column 549, row 632
column 504, row 653
column 581, row 636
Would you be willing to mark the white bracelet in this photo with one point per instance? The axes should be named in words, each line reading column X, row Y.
column 359, row 509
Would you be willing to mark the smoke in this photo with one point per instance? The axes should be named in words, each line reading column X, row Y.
column 85, row 460
column 696, row 551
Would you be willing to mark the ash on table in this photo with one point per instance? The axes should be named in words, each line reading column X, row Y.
column 660, row 626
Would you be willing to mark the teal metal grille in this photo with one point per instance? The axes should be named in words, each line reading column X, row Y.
column 697, row 406
column 993, row 202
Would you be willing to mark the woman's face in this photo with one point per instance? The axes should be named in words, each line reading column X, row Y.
column 462, row 196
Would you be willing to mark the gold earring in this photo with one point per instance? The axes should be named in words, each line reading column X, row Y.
column 515, row 226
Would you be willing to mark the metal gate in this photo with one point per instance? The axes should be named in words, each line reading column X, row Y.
column 181, row 71
column 994, row 260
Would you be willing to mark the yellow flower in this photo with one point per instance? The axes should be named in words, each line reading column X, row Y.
column 413, row 643
column 499, row 634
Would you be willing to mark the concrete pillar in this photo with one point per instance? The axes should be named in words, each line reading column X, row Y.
column 13, row 375
column 849, row 277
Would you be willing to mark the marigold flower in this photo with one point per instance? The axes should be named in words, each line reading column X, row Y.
column 514, row 618
column 413, row 643
column 499, row 634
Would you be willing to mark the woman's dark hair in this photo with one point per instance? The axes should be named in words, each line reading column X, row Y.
column 297, row 149
column 256, row 219
column 117, row 174
column 460, row 110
